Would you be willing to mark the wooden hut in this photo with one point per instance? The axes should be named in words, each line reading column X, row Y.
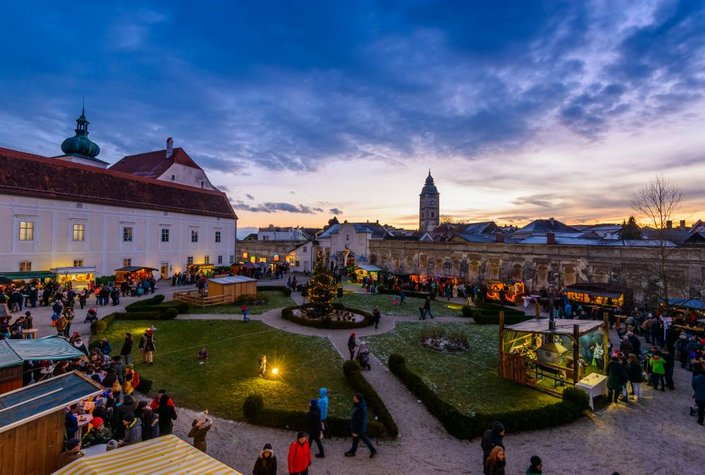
column 167, row 454
column 33, row 423
column 230, row 288
column 550, row 359
column 10, row 368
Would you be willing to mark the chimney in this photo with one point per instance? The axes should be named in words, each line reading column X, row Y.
column 551, row 221
column 169, row 148
column 669, row 224
column 682, row 224
column 499, row 237
column 550, row 238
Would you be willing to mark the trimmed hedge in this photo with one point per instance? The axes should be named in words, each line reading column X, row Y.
column 327, row 322
column 256, row 413
column 407, row 293
column 284, row 290
column 357, row 380
column 463, row 426
column 155, row 300
column 489, row 314
column 99, row 326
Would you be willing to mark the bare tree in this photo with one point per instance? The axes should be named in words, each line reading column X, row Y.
column 658, row 202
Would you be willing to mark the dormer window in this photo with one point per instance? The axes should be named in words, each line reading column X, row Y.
column 173, row 177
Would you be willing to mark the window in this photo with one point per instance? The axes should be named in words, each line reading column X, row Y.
column 194, row 235
column 220, row 259
column 165, row 234
column 305, row 249
column 78, row 262
column 433, row 215
column 244, row 255
column 217, row 236
column 173, row 177
column 127, row 234
column 265, row 238
column 232, row 258
column 207, row 259
column 79, row 205
column 26, row 231
column 422, row 215
column 25, row 266
column 127, row 262
column 347, row 237
column 189, row 260
column 79, row 232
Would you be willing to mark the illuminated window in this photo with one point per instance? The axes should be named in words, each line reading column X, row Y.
column 26, row 231
column 165, row 234
column 127, row 234
column 207, row 259
column 78, row 262
column 245, row 255
column 194, row 235
column 127, row 262
column 79, row 232
column 25, row 266
column 275, row 258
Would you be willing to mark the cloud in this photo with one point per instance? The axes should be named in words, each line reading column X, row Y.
column 335, row 211
column 542, row 200
column 249, row 196
column 275, row 207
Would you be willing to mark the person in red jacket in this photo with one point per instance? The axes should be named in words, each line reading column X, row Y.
column 299, row 455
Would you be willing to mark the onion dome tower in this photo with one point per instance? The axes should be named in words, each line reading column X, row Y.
column 79, row 148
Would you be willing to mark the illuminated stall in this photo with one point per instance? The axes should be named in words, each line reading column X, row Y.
column 76, row 277
column 601, row 295
column 550, row 360
column 513, row 292
column 205, row 269
column 133, row 273
column 364, row 270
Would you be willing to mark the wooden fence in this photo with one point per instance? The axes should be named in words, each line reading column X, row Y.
column 193, row 297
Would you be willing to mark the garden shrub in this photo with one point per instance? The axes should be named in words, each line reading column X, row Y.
column 468, row 311
column 100, row 325
column 286, row 291
column 577, row 396
column 256, row 413
column 357, row 380
column 327, row 322
column 463, row 426
column 154, row 300
column 250, row 299
column 104, row 280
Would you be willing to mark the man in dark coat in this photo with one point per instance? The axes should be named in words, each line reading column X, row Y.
column 314, row 427
column 492, row 438
column 358, row 426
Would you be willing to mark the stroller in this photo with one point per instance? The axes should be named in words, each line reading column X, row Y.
column 92, row 315
column 363, row 357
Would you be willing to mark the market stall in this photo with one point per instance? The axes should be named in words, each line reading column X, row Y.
column 601, row 295
column 231, row 288
column 136, row 273
column 33, row 422
column 366, row 270
column 166, row 454
column 205, row 269
column 75, row 277
column 549, row 360
column 506, row 292
column 40, row 276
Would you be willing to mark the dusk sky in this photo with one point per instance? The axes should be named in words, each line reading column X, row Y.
column 302, row 110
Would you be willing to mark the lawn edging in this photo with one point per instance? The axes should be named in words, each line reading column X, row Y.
column 462, row 426
column 327, row 322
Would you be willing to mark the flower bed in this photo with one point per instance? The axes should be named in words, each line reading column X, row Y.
column 339, row 320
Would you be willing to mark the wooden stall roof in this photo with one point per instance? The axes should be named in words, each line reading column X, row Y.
column 8, row 356
column 134, row 268
column 233, row 279
column 37, row 400
column 563, row 327
column 48, row 348
column 163, row 455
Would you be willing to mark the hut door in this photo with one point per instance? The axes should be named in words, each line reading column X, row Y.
column 164, row 270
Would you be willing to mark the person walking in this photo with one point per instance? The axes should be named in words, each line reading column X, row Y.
column 492, row 438
column 266, row 463
column 199, row 429
column 358, row 427
column 427, row 308
column 615, row 378
column 635, row 375
column 148, row 345
column 314, row 428
column 245, row 313
column 126, row 350
column 299, row 455
column 323, row 407
column 352, row 344
column 376, row 316
column 167, row 414
column 658, row 370
column 495, row 463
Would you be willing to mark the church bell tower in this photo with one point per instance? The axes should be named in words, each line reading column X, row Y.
column 429, row 206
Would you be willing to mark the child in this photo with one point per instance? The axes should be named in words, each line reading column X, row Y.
column 245, row 318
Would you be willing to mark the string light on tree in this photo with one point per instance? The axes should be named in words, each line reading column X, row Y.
column 321, row 290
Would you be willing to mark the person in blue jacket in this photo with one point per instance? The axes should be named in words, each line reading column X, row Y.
column 323, row 407
column 358, row 426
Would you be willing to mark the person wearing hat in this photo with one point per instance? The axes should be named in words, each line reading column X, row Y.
column 105, row 347
column 133, row 430
column 266, row 463
column 299, row 455
column 616, row 378
column 72, row 452
column 99, row 434
column 536, row 467
column 492, row 438
column 148, row 346
column 199, row 429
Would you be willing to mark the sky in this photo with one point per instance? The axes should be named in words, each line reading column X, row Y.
column 302, row 110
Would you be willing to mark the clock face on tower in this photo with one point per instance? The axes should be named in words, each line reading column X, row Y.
column 433, row 202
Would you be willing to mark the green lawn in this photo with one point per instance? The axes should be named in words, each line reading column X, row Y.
column 468, row 380
column 439, row 307
column 231, row 373
column 275, row 299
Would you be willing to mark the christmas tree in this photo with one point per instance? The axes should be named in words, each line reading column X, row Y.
column 321, row 287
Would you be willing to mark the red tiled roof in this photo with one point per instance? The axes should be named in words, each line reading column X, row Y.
column 153, row 164
column 26, row 174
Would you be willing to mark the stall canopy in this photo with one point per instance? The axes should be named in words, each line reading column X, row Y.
column 52, row 348
column 135, row 269
column 563, row 326
column 233, row 279
column 5, row 281
column 31, row 275
column 163, row 455
column 8, row 357
column 692, row 304
column 36, row 400
column 369, row 268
